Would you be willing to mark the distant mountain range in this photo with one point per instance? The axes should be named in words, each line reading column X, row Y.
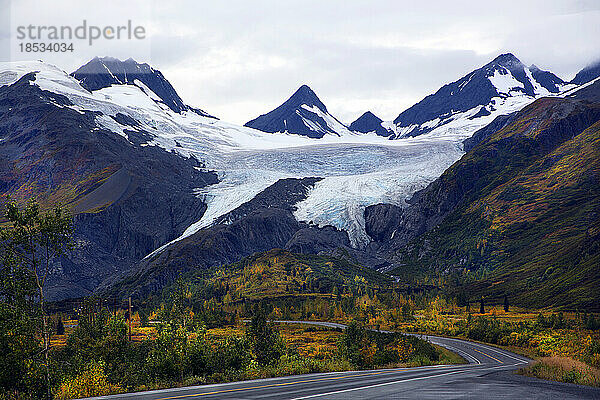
column 159, row 188
column 502, row 86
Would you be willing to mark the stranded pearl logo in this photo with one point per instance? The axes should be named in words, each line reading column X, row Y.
column 39, row 38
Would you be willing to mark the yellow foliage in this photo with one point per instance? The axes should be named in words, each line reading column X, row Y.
column 91, row 382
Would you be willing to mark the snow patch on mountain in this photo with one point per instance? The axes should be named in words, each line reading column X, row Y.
column 333, row 125
column 505, row 82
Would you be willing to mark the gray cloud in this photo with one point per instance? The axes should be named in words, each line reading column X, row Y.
column 238, row 59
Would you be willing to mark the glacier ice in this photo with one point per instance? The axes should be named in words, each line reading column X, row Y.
column 358, row 170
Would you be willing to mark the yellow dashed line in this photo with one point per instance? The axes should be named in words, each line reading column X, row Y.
column 296, row 382
column 276, row 385
column 487, row 355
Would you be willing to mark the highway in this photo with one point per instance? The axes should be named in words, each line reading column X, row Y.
column 489, row 374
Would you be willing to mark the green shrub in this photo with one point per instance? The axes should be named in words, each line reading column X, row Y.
column 91, row 382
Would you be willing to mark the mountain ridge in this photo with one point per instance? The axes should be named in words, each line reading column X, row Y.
column 587, row 74
column 100, row 73
column 486, row 90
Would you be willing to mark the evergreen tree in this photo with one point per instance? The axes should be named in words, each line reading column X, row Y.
column 263, row 337
column 481, row 306
column 60, row 327
column 591, row 322
column 353, row 342
column 407, row 314
column 541, row 320
column 506, row 305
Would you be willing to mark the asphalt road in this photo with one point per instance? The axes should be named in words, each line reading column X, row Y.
column 489, row 374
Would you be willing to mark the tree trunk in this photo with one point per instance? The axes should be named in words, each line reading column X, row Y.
column 46, row 339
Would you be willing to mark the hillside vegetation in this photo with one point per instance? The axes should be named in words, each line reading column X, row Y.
column 526, row 219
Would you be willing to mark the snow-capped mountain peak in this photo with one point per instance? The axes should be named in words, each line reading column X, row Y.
column 507, row 60
column 507, row 72
column 501, row 86
column 302, row 114
column 305, row 95
column 103, row 72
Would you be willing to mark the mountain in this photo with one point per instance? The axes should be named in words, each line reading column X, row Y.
column 261, row 224
column 369, row 122
column 126, row 198
column 517, row 214
column 502, row 86
column 302, row 114
column 156, row 193
column 587, row 74
column 103, row 72
column 147, row 185
column 124, row 164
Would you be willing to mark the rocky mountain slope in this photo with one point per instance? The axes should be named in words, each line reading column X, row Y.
column 519, row 211
column 127, row 199
column 264, row 223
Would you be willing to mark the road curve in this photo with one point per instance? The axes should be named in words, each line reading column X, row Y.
column 488, row 375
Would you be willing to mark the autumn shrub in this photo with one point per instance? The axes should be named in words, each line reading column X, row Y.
column 564, row 369
column 177, row 353
column 91, row 382
column 592, row 352
column 233, row 353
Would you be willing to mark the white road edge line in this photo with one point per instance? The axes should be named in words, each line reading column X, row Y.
column 390, row 383
column 374, row 386
column 458, row 351
column 491, row 348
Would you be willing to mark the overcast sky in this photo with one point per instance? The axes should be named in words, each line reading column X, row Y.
column 240, row 59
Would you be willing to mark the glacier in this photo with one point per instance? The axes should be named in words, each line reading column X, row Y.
column 355, row 175
column 357, row 170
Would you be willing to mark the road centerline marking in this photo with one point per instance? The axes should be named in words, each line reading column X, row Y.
column 487, row 355
column 279, row 384
column 377, row 385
